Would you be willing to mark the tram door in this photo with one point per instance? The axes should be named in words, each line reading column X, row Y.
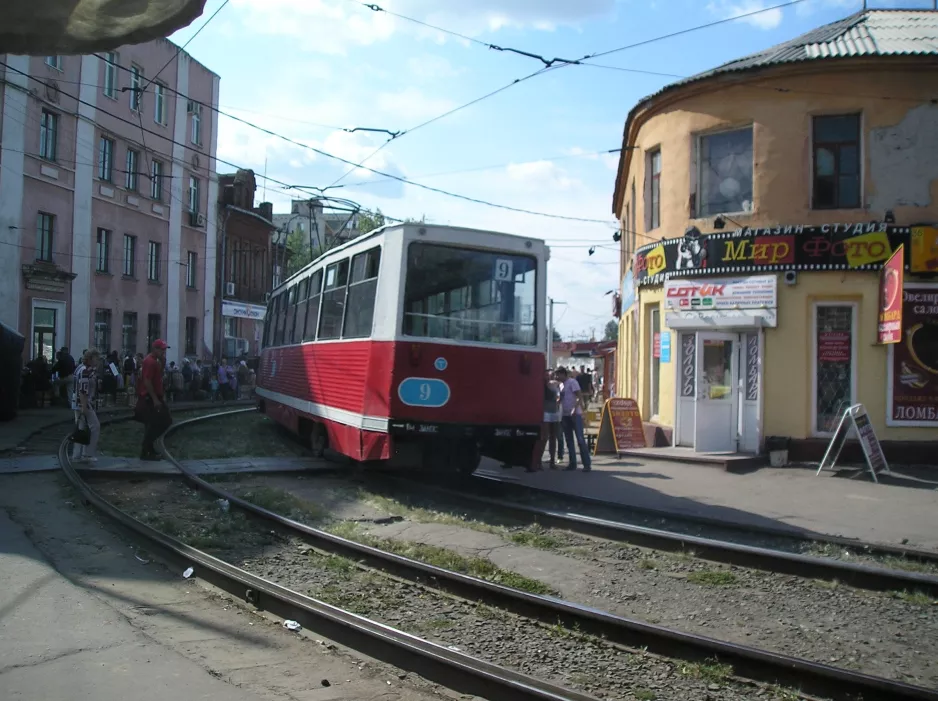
column 716, row 408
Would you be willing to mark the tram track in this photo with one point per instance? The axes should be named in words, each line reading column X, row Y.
column 768, row 559
column 748, row 662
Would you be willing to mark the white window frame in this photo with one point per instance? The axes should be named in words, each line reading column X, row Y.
column 106, row 159
column 697, row 169
column 111, row 62
column 136, row 85
column 192, row 263
column 48, row 135
column 102, row 250
column 194, row 194
column 854, row 339
column 159, row 103
column 196, row 130
column 54, row 62
column 156, row 180
column 154, row 251
column 133, row 164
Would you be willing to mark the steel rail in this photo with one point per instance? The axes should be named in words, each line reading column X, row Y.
column 862, row 576
column 493, row 484
column 449, row 668
column 749, row 662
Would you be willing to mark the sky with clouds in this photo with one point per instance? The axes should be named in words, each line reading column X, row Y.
column 306, row 68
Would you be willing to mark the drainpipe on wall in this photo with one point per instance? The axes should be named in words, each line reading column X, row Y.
column 220, row 349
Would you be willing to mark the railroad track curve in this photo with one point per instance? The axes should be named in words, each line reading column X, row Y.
column 456, row 670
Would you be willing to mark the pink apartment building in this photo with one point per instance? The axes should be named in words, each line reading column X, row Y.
column 107, row 200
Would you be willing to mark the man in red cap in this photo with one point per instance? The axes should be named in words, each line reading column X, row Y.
column 152, row 410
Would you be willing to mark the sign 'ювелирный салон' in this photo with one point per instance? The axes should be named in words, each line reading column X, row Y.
column 771, row 249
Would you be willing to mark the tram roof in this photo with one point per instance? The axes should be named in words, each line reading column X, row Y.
column 381, row 230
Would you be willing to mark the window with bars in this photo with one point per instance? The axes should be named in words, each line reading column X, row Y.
column 136, row 88
column 159, row 103
column 192, row 328
column 48, row 135
column 153, row 262
column 192, row 263
column 156, row 180
column 133, row 158
column 834, row 344
column 836, row 146
column 154, row 325
column 129, row 333
column 45, row 236
column 111, row 61
column 106, row 159
column 103, row 251
column 102, row 330
column 130, row 255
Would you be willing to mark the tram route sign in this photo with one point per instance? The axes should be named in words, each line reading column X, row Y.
column 620, row 427
column 856, row 421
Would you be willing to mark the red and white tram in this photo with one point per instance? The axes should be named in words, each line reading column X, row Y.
column 415, row 343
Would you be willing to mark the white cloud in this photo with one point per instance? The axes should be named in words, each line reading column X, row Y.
column 334, row 26
column 410, row 105
column 769, row 19
column 541, row 176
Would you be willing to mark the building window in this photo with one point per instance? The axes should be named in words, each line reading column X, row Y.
column 129, row 333
column 653, row 202
column 54, row 62
column 48, row 135
column 363, row 286
column 102, row 330
column 836, row 162
column 133, row 158
column 111, row 60
column 136, row 88
column 192, row 326
column 154, row 323
column 196, row 135
column 192, row 259
column 159, row 103
column 106, row 159
column 156, row 180
column 104, row 251
column 44, row 336
column 130, row 255
column 193, row 194
column 153, row 262
column 724, row 173
column 633, row 232
column 45, row 235
column 834, row 351
column 654, row 360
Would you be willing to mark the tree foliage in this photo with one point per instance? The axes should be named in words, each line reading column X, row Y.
column 299, row 251
column 557, row 337
column 369, row 221
column 612, row 331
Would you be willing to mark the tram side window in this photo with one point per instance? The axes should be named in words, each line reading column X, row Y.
column 312, row 306
column 302, row 293
column 291, row 316
column 333, row 300
column 281, row 318
column 268, row 323
column 274, row 321
column 360, row 305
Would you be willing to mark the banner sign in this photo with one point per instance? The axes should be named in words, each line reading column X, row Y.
column 620, row 427
column 243, row 311
column 755, row 292
column 889, row 328
column 779, row 248
column 913, row 362
column 924, row 254
column 856, row 420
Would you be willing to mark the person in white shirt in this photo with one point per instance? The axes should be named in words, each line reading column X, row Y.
column 572, row 403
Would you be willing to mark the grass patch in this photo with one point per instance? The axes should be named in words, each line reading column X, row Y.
column 827, row 583
column 434, row 624
column 712, row 578
column 535, row 537
column 336, row 563
column 123, row 440
column 904, row 563
column 243, row 435
column 916, row 598
column 646, row 564
column 645, row 695
column 214, row 531
column 282, row 502
column 711, row 672
column 441, row 557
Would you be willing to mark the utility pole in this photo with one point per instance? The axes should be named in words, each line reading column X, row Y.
column 550, row 330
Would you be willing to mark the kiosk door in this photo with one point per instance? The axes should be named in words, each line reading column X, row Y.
column 716, row 409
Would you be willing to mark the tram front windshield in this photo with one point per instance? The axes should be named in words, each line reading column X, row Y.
column 470, row 295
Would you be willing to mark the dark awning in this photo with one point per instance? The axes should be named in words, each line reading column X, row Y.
column 52, row 27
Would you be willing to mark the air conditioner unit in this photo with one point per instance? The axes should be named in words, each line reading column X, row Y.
column 196, row 219
column 230, row 289
column 192, row 106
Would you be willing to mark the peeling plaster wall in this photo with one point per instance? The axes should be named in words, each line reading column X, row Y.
column 904, row 160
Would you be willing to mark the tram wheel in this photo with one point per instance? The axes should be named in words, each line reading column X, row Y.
column 318, row 440
column 466, row 457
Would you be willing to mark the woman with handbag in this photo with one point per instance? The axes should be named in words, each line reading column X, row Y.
column 87, row 426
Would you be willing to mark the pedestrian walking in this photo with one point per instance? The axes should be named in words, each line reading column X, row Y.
column 85, row 391
column 552, row 432
column 572, row 403
column 151, row 409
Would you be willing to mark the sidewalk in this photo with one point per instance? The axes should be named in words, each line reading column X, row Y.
column 58, row 642
column 790, row 498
